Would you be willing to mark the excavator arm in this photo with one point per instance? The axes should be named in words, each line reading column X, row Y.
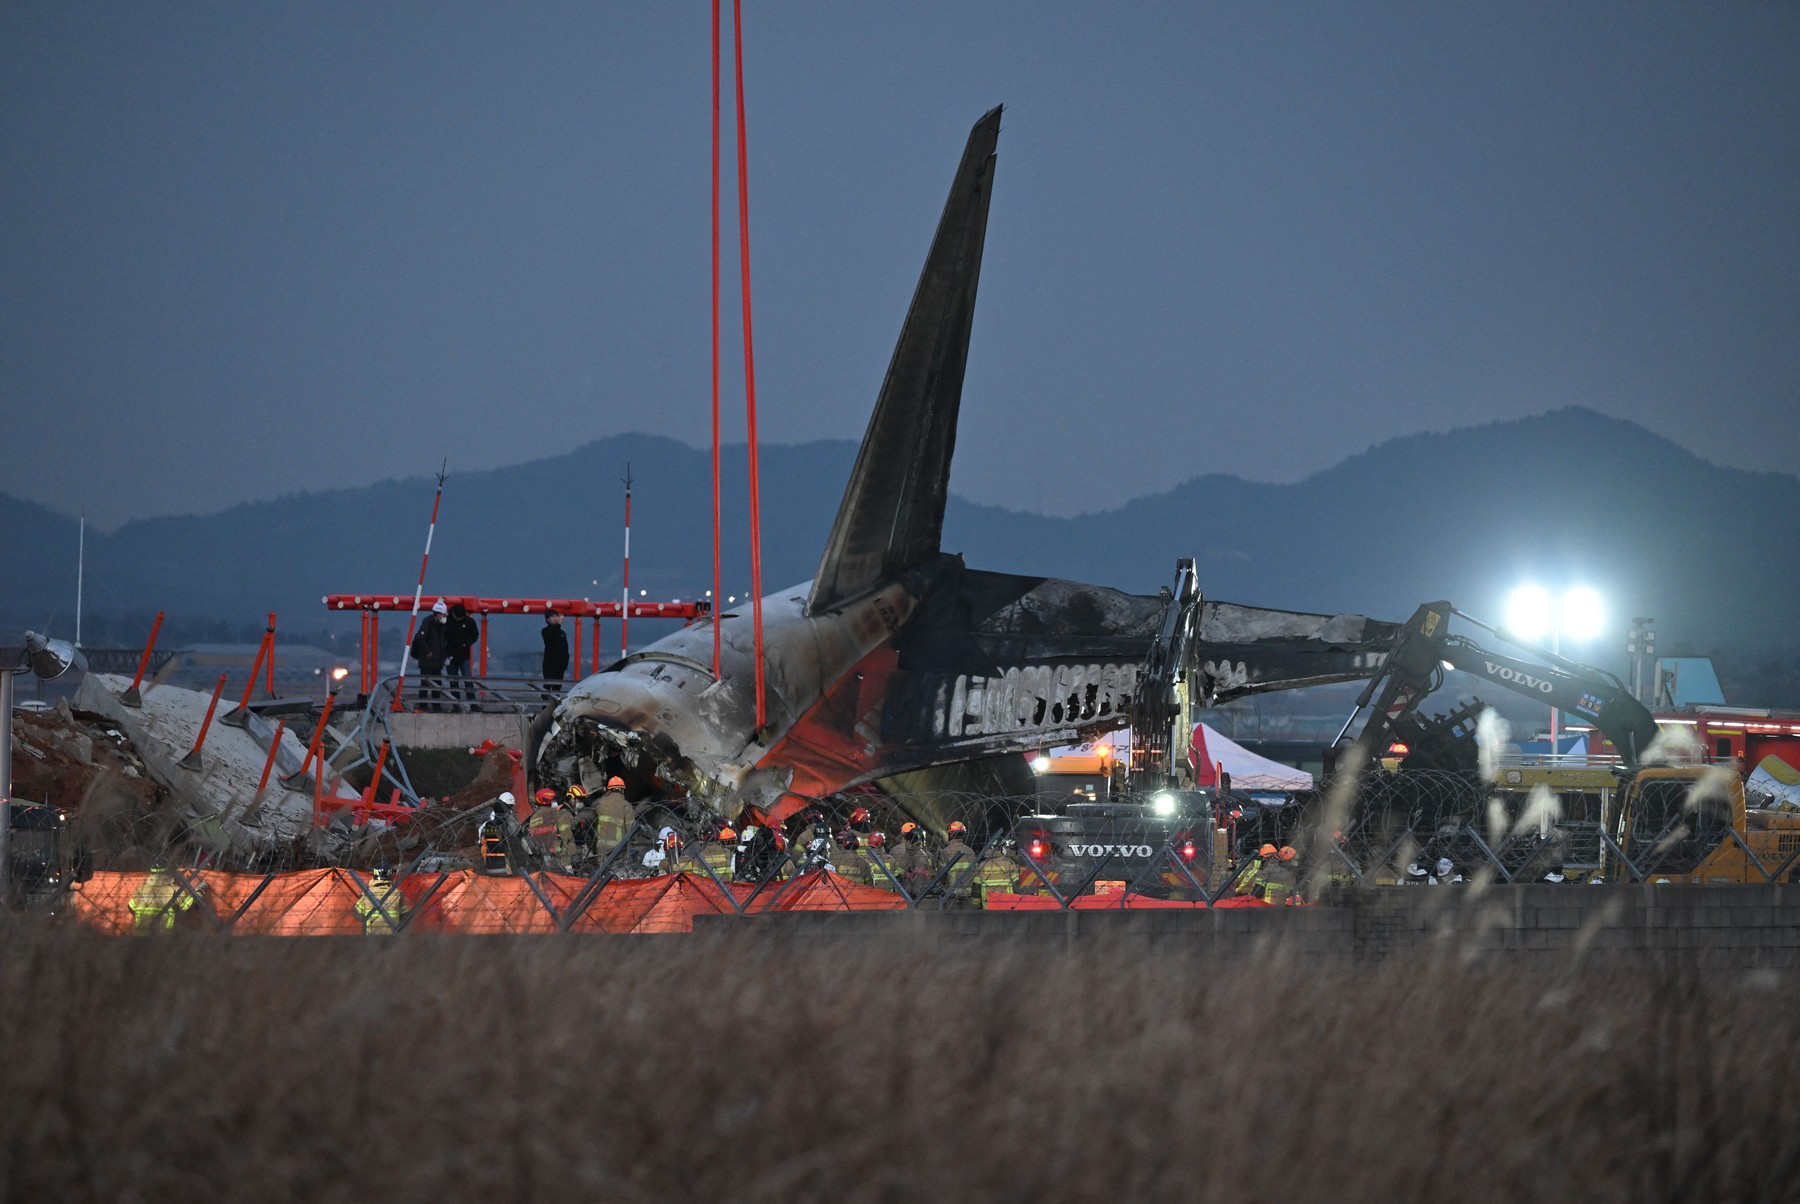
column 1426, row 646
column 1207, row 652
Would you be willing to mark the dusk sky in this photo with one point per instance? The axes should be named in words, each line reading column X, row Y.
column 253, row 249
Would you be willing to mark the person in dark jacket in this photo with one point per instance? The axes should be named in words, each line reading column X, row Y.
column 556, row 650
column 428, row 651
column 461, row 634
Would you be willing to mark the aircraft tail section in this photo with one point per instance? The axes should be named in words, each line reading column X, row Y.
column 892, row 515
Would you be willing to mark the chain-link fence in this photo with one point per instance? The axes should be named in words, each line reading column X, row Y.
column 485, row 868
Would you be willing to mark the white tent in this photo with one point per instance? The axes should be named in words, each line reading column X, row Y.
column 1248, row 770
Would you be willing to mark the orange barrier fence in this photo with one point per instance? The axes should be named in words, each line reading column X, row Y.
column 325, row 902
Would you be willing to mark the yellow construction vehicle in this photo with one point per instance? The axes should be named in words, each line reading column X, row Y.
column 1690, row 823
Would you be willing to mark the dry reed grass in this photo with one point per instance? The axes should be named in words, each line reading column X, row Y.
column 736, row 1067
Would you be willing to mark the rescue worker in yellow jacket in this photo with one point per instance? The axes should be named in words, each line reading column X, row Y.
column 881, row 872
column 997, row 872
column 548, row 827
column 912, row 859
column 717, row 853
column 1281, row 880
column 956, row 860
column 852, row 861
column 1250, row 879
column 581, row 826
column 613, row 817
column 381, row 907
column 158, row 902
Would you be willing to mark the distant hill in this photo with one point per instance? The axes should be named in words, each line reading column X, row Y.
column 1463, row 515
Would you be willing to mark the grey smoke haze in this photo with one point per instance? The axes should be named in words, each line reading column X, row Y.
column 252, row 249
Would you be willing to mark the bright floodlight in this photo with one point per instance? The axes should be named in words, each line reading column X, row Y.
column 1164, row 803
column 50, row 658
column 1583, row 616
column 1529, row 613
column 1040, row 764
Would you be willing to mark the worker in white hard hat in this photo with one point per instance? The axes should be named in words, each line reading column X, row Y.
column 493, row 834
column 663, row 856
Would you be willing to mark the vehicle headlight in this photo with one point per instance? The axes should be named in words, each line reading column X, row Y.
column 1163, row 804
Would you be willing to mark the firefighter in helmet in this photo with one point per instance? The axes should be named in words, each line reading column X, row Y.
column 957, row 860
column 852, row 860
column 1250, row 879
column 548, row 826
column 719, row 851
column 1280, row 881
column 380, row 905
column 882, row 871
column 493, row 834
column 613, row 817
column 158, row 903
column 998, row 870
column 912, row 859
column 581, row 831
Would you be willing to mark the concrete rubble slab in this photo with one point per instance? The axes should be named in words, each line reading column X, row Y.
column 217, row 798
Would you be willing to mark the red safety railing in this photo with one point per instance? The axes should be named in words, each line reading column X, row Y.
column 371, row 606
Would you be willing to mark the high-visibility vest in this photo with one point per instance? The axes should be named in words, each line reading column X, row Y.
column 493, row 848
column 717, row 858
column 392, row 902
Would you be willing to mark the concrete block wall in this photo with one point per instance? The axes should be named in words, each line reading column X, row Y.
column 1747, row 927
column 1751, row 927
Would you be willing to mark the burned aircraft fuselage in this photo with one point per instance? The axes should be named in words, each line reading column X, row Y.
column 946, row 664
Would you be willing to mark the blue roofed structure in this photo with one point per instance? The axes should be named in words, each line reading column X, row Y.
column 1687, row 681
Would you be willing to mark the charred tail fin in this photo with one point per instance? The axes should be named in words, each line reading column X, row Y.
column 892, row 515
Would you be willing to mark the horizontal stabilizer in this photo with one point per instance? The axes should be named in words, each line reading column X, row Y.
column 892, row 515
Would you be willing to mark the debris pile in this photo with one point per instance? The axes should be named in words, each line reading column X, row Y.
column 81, row 762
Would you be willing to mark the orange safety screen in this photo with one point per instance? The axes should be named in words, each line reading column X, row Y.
column 323, row 902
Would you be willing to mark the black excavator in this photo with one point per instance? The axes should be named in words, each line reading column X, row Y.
column 1414, row 668
column 1207, row 653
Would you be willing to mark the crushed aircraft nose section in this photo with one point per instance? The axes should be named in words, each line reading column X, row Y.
column 657, row 722
column 661, row 721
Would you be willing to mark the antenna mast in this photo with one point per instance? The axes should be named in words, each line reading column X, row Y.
column 80, row 572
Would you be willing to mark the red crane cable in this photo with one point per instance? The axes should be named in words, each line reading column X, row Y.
column 717, row 595
column 743, row 174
